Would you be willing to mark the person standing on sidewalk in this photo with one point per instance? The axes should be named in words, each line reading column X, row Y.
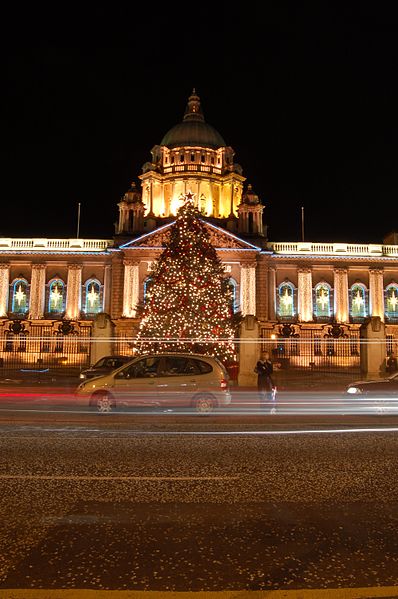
column 265, row 383
column 392, row 365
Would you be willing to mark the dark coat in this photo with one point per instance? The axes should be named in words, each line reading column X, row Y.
column 392, row 365
column 264, row 371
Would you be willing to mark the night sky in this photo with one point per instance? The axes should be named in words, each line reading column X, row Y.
column 305, row 94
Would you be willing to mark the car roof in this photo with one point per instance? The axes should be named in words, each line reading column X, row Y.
column 124, row 358
column 117, row 357
column 174, row 354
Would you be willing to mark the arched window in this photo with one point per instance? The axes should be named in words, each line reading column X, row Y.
column 358, row 301
column 322, row 300
column 147, row 285
column 391, row 301
column 20, row 296
column 286, row 301
column 92, row 301
column 56, row 296
column 233, row 288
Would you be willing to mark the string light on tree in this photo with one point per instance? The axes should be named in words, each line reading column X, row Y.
column 188, row 306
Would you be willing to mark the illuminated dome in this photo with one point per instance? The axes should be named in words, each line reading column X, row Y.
column 193, row 130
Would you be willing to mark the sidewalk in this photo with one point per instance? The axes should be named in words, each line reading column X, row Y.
column 39, row 378
column 288, row 380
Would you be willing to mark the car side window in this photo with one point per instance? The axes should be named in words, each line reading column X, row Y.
column 204, row 367
column 192, row 367
column 147, row 367
column 173, row 366
column 100, row 364
column 152, row 366
column 116, row 363
column 127, row 373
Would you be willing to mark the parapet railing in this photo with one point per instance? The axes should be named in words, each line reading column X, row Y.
column 347, row 249
column 43, row 244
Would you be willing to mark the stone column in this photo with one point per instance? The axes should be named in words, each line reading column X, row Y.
column 151, row 197
column 102, row 337
column 373, row 347
column 248, row 289
column 74, row 291
column 130, row 288
column 305, row 308
column 123, row 216
column 272, row 293
column 37, row 291
column 376, row 293
column 341, row 311
column 107, row 288
column 4, row 288
column 249, row 351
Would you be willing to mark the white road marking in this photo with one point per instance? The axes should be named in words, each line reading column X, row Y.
column 122, row 478
column 343, row 593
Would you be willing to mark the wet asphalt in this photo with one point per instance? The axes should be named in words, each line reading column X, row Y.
column 114, row 505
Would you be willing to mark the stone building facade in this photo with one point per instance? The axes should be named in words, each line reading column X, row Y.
column 309, row 303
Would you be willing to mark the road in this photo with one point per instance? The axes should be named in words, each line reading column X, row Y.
column 164, row 502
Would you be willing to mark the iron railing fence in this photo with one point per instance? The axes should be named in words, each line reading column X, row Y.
column 26, row 345
column 313, row 349
column 65, row 345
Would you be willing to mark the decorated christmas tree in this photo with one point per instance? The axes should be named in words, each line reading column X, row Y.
column 188, row 304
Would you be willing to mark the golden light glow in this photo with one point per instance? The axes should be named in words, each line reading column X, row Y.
column 393, row 301
column 323, row 299
column 20, row 295
column 55, row 296
column 177, row 202
column 286, row 299
column 358, row 300
column 187, row 306
column 92, row 297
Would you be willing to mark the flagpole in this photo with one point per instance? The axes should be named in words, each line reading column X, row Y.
column 302, row 223
column 78, row 221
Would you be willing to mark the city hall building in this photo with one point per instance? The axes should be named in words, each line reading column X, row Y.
column 311, row 304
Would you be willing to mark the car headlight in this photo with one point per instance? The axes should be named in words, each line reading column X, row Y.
column 82, row 375
column 354, row 391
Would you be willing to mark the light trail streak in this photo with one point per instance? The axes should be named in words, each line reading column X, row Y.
column 74, row 477
column 215, row 433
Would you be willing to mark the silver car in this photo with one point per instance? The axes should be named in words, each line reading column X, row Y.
column 165, row 380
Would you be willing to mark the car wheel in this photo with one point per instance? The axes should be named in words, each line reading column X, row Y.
column 103, row 402
column 204, row 404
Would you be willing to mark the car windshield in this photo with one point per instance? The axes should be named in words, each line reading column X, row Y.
column 101, row 363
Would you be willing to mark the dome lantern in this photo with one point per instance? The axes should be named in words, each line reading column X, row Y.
column 193, row 130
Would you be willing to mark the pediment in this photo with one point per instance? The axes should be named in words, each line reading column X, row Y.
column 219, row 238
